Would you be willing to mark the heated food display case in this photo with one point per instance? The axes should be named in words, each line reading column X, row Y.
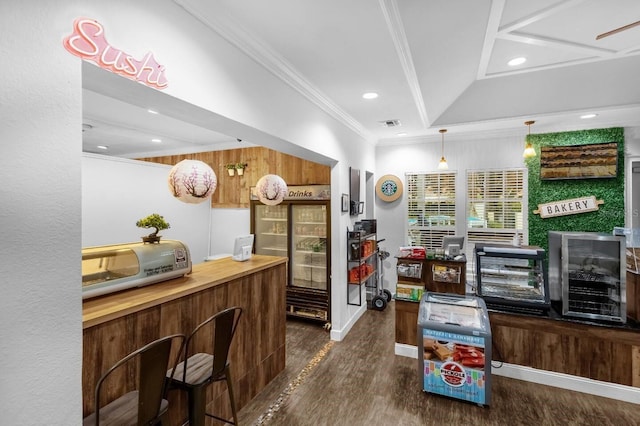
column 454, row 341
column 592, row 274
column 512, row 277
column 110, row 268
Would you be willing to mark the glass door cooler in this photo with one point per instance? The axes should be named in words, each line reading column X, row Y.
column 271, row 229
column 298, row 228
column 309, row 249
column 454, row 341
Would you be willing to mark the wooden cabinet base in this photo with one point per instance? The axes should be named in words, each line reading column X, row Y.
column 407, row 322
column 608, row 354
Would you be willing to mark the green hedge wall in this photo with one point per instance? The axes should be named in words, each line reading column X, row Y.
column 611, row 191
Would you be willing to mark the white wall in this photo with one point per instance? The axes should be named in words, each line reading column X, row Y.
column 488, row 151
column 40, row 212
column 117, row 192
column 226, row 225
column 40, row 306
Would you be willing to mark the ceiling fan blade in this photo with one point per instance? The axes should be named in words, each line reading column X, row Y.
column 617, row 30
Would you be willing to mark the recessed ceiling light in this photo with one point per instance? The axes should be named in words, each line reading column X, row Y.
column 151, row 111
column 370, row 95
column 102, row 147
column 588, row 116
column 156, row 140
column 402, row 134
column 517, row 61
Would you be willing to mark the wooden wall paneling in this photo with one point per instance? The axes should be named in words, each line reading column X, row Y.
column 514, row 345
column 569, row 355
column 595, row 360
column 234, row 191
column 546, row 350
column 621, row 357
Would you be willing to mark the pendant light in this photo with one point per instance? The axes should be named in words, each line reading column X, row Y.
column 529, row 152
column 442, row 165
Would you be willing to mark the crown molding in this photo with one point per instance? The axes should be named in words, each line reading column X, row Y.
column 396, row 30
column 265, row 56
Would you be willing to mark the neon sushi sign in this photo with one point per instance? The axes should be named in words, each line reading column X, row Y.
column 89, row 43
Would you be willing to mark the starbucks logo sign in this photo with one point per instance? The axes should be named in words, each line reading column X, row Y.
column 389, row 188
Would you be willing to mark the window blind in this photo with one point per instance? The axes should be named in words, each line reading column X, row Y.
column 431, row 208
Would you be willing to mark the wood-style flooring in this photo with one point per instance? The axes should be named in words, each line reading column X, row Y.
column 360, row 381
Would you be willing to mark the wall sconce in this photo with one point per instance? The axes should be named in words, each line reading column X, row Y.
column 192, row 181
column 271, row 189
column 442, row 165
column 529, row 152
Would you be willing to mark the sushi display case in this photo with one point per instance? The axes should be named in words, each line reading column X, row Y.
column 454, row 341
column 110, row 268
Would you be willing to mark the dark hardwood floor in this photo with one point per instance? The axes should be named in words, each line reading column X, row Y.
column 360, row 381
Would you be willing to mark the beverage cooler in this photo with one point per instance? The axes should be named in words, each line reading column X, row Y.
column 299, row 228
column 587, row 272
column 454, row 341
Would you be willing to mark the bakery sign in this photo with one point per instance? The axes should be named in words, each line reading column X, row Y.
column 89, row 43
column 568, row 207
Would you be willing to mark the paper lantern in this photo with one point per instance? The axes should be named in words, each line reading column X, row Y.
column 192, row 181
column 271, row 189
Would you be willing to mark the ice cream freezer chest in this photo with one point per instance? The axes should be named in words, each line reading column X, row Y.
column 454, row 341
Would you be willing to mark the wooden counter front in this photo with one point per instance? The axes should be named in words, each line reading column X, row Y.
column 599, row 352
column 117, row 324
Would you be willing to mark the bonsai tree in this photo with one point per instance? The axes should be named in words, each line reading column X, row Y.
column 153, row 221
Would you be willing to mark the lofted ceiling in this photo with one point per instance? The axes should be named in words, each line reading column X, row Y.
column 434, row 63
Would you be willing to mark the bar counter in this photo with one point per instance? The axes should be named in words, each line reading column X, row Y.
column 118, row 323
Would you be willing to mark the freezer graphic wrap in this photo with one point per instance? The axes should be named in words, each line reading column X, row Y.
column 454, row 365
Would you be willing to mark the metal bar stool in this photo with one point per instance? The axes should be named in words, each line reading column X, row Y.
column 197, row 371
column 147, row 404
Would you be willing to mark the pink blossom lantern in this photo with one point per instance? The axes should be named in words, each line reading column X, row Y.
column 271, row 189
column 192, row 181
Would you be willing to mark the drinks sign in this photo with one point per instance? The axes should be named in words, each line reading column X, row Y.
column 304, row 192
column 89, row 43
column 568, row 207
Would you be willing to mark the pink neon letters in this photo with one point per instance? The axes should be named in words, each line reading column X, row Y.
column 89, row 43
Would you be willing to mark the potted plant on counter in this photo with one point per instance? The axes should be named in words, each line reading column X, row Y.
column 231, row 168
column 153, row 221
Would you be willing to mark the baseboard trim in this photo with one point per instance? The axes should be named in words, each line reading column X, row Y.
column 559, row 380
column 338, row 335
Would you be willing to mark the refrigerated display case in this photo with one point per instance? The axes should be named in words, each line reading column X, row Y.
column 512, row 277
column 298, row 228
column 454, row 341
column 592, row 274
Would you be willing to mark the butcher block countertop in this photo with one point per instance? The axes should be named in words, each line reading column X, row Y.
column 204, row 275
